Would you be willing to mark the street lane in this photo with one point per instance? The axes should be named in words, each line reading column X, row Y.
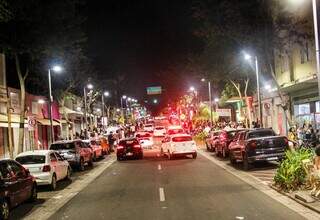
column 192, row 189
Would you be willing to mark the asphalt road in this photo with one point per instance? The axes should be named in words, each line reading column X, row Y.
column 156, row 188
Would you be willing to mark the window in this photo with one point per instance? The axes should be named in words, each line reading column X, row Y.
column 64, row 146
column 31, row 159
column 302, row 109
column 59, row 157
column 4, row 171
column 53, row 157
column 17, row 169
column 260, row 133
column 283, row 62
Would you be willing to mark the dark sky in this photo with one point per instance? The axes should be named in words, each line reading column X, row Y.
column 146, row 41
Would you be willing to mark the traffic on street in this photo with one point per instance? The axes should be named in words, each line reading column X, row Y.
column 194, row 109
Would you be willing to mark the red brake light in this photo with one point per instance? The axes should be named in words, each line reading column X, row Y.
column 119, row 147
column 252, row 144
column 46, row 168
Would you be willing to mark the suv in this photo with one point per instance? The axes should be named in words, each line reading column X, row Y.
column 129, row 147
column 16, row 186
column 75, row 152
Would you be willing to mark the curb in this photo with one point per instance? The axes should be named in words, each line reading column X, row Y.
column 295, row 199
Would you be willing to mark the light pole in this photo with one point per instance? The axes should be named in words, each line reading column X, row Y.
column 248, row 57
column 56, row 69
column 104, row 94
column 89, row 86
column 210, row 99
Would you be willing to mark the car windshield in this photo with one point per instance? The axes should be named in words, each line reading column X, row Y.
column 182, row 139
column 62, row 146
column 159, row 128
column 31, row 159
column 128, row 142
column 231, row 134
column 261, row 133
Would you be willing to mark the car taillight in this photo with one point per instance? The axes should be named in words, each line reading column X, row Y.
column 136, row 146
column 252, row 144
column 119, row 147
column 46, row 168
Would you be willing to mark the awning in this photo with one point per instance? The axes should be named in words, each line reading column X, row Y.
column 66, row 110
column 47, row 122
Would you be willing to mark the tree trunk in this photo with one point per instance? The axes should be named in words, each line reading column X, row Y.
column 22, row 103
column 237, row 86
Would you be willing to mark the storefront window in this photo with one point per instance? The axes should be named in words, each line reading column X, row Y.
column 302, row 109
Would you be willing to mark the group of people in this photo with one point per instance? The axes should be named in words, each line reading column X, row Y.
column 304, row 135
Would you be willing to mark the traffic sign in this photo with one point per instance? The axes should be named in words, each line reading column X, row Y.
column 32, row 122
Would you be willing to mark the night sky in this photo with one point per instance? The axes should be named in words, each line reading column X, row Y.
column 145, row 42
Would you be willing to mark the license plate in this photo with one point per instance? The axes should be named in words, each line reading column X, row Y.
column 129, row 154
column 272, row 158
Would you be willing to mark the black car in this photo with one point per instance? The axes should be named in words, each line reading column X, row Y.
column 129, row 147
column 16, row 186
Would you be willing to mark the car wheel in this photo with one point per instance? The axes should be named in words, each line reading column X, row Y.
column 194, row 155
column 231, row 158
column 5, row 209
column 224, row 153
column 81, row 165
column 53, row 184
column 34, row 193
column 69, row 171
column 245, row 164
column 94, row 157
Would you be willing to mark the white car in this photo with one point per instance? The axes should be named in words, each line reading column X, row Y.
column 146, row 142
column 148, row 127
column 159, row 131
column 46, row 166
column 179, row 144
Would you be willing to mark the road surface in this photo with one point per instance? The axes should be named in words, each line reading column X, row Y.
column 156, row 188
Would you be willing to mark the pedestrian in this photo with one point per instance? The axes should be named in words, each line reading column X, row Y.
column 111, row 140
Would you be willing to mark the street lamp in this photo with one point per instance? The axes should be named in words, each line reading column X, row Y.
column 90, row 87
column 192, row 89
column 41, row 101
column 210, row 99
column 249, row 58
column 216, row 100
column 56, row 69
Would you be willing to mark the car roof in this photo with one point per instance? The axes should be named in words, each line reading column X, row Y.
column 35, row 152
column 66, row 141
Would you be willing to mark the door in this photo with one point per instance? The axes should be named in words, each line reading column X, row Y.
column 24, row 181
column 63, row 166
column 55, row 165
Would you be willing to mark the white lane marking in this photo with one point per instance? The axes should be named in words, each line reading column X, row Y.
column 239, row 217
column 161, row 193
column 159, row 167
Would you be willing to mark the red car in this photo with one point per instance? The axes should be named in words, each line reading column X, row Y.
column 16, row 186
column 129, row 147
column 223, row 141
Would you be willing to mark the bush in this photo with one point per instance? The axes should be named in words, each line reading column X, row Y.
column 201, row 136
column 290, row 175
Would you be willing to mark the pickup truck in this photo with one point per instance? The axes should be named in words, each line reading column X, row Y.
column 257, row 145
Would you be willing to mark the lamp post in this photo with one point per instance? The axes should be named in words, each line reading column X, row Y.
column 248, row 57
column 56, row 69
column 210, row 99
column 89, row 86
column 104, row 94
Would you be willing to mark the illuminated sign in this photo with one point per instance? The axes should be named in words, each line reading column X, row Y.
column 154, row 90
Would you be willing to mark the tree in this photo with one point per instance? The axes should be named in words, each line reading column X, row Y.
column 34, row 38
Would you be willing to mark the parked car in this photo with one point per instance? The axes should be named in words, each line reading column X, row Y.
column 175, row 129
column 129, row 147
column 148, row 128
column 16, row 186
column 75, row 152
column 145, row 139
column 257, row 145
column 159, row 131
column 46, row 166
column 95, row 147
column 179, row 144
column 222, row 143
column 212, row 140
